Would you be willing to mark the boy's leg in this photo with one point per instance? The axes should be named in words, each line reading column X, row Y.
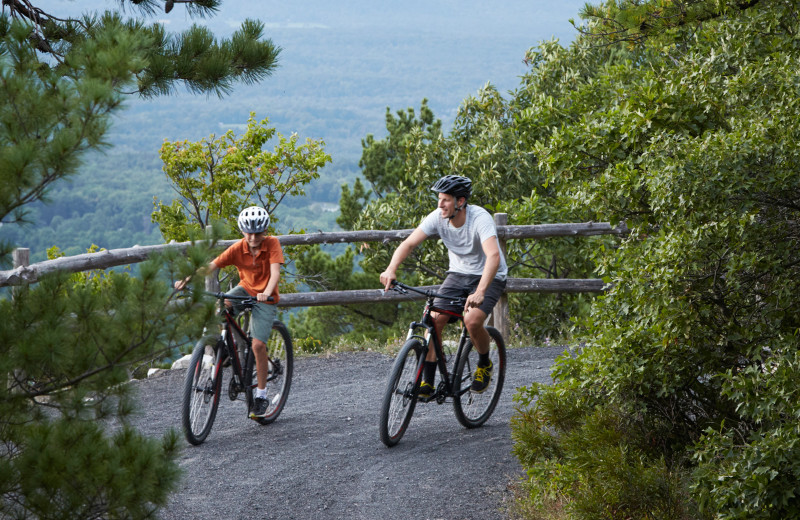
column 261, row 329
column 262, row 363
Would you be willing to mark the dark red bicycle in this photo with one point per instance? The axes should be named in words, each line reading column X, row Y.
column 232, row 347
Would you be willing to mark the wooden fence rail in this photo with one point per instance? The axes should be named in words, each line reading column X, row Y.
column 25, row 274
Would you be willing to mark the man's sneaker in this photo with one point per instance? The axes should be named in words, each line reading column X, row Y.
column 260, row 407
column 426, row 390
column 481, row 379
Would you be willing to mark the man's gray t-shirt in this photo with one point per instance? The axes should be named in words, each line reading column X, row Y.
column 464, row 244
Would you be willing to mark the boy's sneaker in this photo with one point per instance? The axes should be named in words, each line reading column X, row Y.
column 426, row 390
column 260, row 407
column 481, row 379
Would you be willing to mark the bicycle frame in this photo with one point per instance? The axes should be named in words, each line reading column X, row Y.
column 450, row 388
column 230, row 347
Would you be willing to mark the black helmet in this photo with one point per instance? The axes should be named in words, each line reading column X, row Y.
column 454, row 185
column 253, row 220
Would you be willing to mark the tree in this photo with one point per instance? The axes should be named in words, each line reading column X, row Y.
column 215, row 178
column 69, row 344
column 61, row 79
column 682, row 404
column 490, row 145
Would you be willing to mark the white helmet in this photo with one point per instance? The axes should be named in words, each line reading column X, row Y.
column 254, row 219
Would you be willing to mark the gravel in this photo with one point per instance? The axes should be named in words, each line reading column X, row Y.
column 323, row 458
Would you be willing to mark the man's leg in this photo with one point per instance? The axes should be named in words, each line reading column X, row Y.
column 439, row 321
column 474, row 321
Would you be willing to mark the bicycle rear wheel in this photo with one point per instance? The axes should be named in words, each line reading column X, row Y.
column 400, row 397
column 473, row 409
column 201, row 392
column 279, row 380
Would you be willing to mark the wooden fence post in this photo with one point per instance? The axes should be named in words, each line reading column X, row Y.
column 499, row 319
column 22, row 258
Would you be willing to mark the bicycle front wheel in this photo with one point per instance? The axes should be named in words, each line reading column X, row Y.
column 201, row 392
column 473, row 409
column 400, row 397
column 279, row 379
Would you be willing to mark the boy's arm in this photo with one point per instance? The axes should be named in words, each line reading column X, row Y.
column 203, row 271
column 274, row 278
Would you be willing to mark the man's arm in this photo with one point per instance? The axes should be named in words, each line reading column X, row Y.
column 492, row 252
column 401, row 253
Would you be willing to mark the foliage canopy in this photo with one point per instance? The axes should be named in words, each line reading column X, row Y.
column 686, row 127
column 70, row 344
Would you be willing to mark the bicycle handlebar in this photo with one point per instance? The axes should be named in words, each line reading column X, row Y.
column 430, row 293
column 246, row 299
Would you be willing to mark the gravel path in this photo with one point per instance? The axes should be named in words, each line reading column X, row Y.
column 323, row 459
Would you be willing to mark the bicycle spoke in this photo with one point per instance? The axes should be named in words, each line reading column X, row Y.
column 472, row 408
column 400, row 397
column 201, row 394
column 279, row 378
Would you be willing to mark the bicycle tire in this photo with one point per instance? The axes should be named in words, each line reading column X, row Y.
column 400, row 397
column 473, row 409
column 279, row 380
column 201, row 392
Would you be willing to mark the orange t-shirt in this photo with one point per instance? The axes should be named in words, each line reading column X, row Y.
column 253, row 271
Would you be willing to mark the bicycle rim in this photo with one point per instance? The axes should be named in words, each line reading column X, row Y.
column 279, row 380
column 400, row 397
column 473, row 409
column 201, row 393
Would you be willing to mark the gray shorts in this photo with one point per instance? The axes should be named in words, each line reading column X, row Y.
column 261, row 318
column 458, row 285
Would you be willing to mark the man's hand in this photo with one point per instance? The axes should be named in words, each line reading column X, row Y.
column 387, row 277
column 180, row 284
column 263, row 297
column 474, row 300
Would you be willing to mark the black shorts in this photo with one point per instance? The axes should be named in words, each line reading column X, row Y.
column 458, row 285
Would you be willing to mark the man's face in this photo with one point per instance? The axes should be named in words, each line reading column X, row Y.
column 447, row 205
column 254, row 240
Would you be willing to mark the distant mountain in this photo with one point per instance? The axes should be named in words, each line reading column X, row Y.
column 343, row 63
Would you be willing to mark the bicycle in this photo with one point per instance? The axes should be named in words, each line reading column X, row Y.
column 402, row 389
column 232, row 347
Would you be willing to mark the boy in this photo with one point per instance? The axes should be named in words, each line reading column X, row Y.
column 258, row 258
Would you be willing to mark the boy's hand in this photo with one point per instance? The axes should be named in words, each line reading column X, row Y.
column 180, row 284
column 263, row 297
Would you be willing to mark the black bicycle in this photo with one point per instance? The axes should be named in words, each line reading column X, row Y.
column 232, row 347
column 402, row 390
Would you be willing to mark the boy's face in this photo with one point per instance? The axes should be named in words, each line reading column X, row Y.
column 254, row 240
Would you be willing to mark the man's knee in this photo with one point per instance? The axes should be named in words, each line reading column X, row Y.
column 474, row 319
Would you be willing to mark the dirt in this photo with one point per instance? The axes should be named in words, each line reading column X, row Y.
column 323, row 458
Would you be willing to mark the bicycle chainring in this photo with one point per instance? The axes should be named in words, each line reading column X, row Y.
column 441, row 392
column 234, row 389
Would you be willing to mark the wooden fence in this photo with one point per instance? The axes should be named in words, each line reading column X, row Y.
column 24, row 274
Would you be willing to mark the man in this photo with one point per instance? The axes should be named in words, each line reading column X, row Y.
column 258, row 258
column 477, row 270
